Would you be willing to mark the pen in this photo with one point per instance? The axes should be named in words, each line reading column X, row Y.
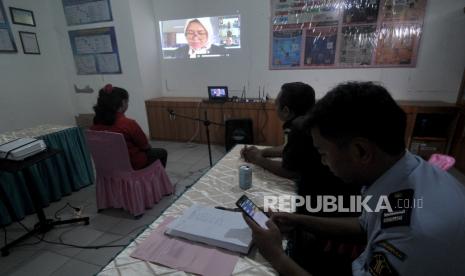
column 228, row 209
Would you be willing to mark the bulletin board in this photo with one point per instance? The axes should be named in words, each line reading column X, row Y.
column 7, row 42
column 95, row 51
column 313, row 34
column 78, row 12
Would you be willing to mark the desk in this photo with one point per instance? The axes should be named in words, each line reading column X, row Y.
column 218, row 187
column 56, row 177
column 267, row 128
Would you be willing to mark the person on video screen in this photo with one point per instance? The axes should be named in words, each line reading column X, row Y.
column 217, row 92
column 199, row 36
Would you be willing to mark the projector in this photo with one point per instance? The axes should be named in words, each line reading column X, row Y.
column 20, row 149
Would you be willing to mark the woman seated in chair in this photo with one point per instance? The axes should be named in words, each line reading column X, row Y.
column 111, row 105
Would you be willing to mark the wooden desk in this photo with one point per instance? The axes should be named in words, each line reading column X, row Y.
column 267, row 127
column 458, row 144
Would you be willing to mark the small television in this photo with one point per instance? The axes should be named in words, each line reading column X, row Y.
column 218, row 93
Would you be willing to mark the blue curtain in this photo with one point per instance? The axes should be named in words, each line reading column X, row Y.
column 56, row 177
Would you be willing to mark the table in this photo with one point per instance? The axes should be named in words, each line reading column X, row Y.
column 55, row 177
column 267, row 128
column 218, row 187
column 44, row 225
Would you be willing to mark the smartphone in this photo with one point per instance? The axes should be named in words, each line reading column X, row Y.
column 252, row 211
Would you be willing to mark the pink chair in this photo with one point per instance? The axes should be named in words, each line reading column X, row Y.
column 118, row 185
column 442, row 161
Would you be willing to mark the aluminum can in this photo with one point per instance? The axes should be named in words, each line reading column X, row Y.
column 245, row 177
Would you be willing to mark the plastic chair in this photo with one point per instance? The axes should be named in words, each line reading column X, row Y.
column 118, row 185
column 442, row 161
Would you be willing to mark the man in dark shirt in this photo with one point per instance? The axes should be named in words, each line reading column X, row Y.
column 294, row 100
column 301, row 162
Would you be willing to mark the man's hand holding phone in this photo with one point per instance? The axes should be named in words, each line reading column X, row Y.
column 252, row 211
column 285, row 221
column 268, row 241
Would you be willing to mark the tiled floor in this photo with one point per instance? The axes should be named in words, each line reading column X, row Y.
column 186, row 163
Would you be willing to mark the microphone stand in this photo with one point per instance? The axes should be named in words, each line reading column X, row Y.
column 205, row 122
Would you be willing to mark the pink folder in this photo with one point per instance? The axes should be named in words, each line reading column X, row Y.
column 184, row 255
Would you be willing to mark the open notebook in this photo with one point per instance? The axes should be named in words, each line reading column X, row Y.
column 224, row 229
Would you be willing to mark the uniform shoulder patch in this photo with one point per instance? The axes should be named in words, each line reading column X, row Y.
column 393, row 250
column 400, row 202
column 380, row 266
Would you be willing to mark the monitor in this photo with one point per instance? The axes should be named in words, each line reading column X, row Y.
column 218, row 93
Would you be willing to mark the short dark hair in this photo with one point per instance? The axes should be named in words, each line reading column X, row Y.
column 299, row 97
column 108, row 103
column 361, row 109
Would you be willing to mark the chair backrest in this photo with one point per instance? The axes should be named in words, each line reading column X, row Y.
column 109, row 151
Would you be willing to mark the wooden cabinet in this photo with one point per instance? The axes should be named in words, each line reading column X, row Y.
column 267, row 127
column 458, row 144
column 430, row 126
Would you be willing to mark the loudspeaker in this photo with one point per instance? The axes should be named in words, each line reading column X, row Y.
column 238, row 131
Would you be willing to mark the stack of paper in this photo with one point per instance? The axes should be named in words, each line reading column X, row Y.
column 224, row 229
column 184, row 255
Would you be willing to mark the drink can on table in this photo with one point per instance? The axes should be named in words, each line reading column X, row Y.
column 245, row 177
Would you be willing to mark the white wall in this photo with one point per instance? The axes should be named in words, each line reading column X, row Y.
column 147, row 46
column 131, row 19
column 437, row 75
column 34, row 87
column 39, row 89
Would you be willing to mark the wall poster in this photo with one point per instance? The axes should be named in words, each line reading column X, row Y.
column 7, row 42
column 95, row 51
column 345, row 33
column 79, row 12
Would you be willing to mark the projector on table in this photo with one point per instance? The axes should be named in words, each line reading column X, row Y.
column 20, row 149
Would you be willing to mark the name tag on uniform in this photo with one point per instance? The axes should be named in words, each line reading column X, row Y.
column 401, row 209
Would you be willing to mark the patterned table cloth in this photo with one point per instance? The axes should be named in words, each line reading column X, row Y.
column 32, row 132
column 218, row 187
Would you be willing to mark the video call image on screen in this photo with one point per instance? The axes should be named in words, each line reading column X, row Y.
column 218, row 92
column 200, row 37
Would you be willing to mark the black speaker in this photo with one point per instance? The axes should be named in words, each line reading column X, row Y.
column 238, row 131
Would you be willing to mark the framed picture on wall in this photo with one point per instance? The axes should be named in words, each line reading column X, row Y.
column 29, row 42
column 22, row 17
column 461, row 96
column 7, row 42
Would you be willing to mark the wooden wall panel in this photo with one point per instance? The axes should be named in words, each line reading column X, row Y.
column 270, row 128
column 266, row 125
column 458, row 144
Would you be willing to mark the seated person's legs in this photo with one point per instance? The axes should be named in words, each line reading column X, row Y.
column 155, row 154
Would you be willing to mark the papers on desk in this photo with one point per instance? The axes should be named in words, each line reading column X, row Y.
column 184, row 255
column 212, row 226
